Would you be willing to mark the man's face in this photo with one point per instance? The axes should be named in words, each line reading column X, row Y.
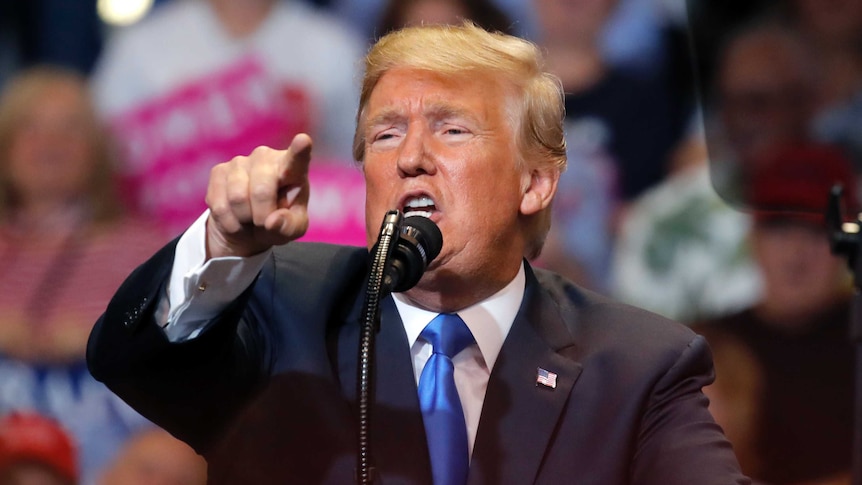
column 765, row 95
column 444, row 145
column 572, row 20
column 800, row 273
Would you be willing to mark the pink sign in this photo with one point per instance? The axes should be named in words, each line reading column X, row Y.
column 336, row 205
column 171, row 142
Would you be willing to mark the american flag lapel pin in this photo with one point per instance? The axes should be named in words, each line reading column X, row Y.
column 546, row 378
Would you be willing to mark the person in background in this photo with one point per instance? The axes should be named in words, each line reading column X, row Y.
column 403, row 13
column 620, row 130
column 36, row 450
column 66, row 243
column 799, row 329
column 366, row 16
column 834, row 33
column 63, row 232
column 153, row 457
column 767, row 84
column 200, row 80
column 683, row 248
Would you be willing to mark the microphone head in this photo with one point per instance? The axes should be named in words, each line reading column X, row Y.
column 418, row 244
column 424, row 231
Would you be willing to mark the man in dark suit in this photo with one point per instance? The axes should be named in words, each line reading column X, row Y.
column 244, row 343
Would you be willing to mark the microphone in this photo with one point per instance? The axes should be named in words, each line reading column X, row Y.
column 419, row 243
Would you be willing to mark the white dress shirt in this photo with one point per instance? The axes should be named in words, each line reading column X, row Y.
column 489, row 321
column 199, row 290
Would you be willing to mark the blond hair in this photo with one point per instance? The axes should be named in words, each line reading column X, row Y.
column 19, row 95
column 537, row 109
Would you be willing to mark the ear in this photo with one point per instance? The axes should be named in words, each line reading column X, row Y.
column 538, row 187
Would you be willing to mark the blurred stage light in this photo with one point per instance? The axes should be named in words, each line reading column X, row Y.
column 123, row 12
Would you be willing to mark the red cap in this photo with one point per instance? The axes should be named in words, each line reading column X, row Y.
column 28, row 436
column 793, row 182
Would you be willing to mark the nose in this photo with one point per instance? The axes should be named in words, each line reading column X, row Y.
column 416, row 157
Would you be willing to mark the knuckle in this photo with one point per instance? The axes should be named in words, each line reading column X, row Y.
column 218, row 170
column 218, row 209
column 236, row 197
column 261, row 151
column 260, row 193
column 235, row 161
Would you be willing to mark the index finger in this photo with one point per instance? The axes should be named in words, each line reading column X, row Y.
column 278, row 177
column 290, row 219
column 294, row 171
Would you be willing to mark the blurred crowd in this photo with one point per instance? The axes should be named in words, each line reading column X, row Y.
column 703, row 138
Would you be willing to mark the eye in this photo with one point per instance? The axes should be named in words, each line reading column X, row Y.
column 454, row 132
column 385, row 137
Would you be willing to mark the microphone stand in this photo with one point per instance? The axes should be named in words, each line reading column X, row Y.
column 381, row 252
column 845, row 239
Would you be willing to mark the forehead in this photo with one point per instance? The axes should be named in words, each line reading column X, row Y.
column 404, row 90
column 767, row 61
column 55, row 100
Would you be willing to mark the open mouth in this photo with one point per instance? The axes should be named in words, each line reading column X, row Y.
column 419, row 206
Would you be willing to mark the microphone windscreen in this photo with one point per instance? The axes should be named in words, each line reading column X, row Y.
column 427, row 235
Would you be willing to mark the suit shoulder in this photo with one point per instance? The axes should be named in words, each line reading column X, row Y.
column 593, row 317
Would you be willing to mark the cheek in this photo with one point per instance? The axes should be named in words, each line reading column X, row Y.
column 21, row 162
column 81, row 159
column 377, row 190
column 376, row 202
column 23, row 148
column 827, row 269
column 80, row 149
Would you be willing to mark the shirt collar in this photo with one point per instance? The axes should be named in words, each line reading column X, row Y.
column 489, row 320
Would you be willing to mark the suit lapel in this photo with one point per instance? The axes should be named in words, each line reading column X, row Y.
column 519, row 416
column 398, row 443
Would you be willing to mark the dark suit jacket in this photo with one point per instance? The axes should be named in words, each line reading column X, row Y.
column 267, row 392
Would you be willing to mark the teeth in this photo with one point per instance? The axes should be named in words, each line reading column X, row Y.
column 419, row 202
column 419, row 206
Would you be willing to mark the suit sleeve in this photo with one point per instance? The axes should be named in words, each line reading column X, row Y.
column 191, row 388
column 679, row 441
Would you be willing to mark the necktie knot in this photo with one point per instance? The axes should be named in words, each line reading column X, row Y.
column 448, row 334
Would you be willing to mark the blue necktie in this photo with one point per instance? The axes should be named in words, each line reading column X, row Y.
column 438, row 398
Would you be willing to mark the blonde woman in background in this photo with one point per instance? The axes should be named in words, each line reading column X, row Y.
column 65, row 246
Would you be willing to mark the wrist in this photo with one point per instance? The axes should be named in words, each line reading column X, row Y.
column 219, row 245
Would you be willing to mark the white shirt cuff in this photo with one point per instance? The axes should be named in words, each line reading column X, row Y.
column 199, row 290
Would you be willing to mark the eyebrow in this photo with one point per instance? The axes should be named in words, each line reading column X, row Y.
column 435, row 111
column 441, row 111
column 386, row 117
